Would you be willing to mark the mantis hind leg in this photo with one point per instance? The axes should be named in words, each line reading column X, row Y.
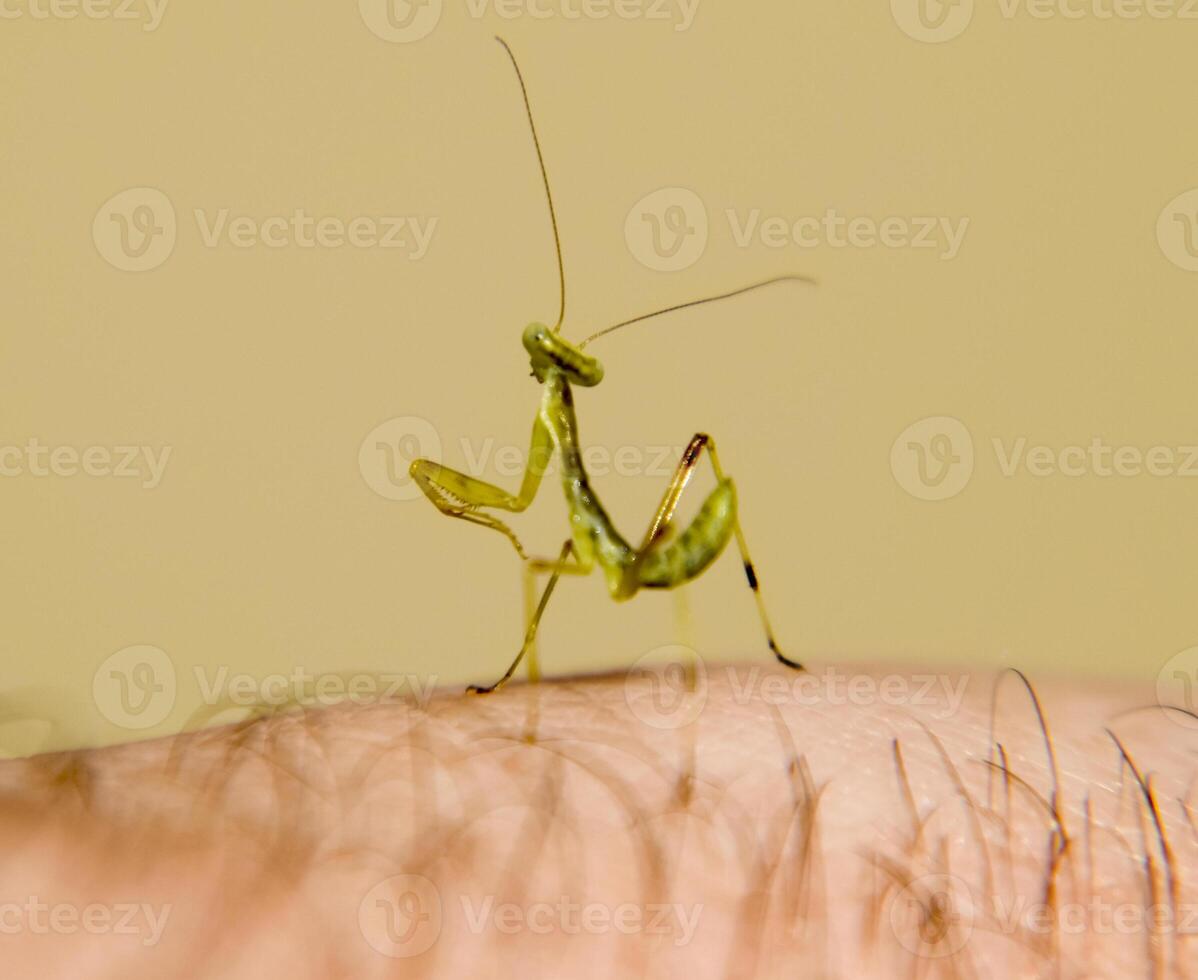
column 661, row 524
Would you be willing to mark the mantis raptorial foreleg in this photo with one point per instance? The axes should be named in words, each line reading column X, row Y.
column 457, row 495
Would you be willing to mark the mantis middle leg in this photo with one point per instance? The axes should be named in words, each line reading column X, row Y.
column 530, row 633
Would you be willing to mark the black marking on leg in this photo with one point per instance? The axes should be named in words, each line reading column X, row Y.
column 692, row 451
column 751, row 575
column 794, row 664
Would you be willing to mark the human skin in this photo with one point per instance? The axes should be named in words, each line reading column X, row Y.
column 747, row 821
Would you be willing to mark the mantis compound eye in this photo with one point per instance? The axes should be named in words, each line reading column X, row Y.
column 549, row 349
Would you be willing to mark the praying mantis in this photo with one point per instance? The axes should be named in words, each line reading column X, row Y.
column 666, row 558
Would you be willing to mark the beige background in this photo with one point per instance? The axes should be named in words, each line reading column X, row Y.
column 1064, row 317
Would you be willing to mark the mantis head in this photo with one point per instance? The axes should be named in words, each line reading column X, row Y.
column 549, row 350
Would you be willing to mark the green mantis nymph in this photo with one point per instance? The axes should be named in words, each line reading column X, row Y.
column 665, row 558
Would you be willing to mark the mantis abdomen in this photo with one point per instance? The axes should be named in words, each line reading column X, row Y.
column 664, row 561
column 673, row 562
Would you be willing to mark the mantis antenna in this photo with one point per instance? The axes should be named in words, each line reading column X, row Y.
column 698, row 302
column 557, row 241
